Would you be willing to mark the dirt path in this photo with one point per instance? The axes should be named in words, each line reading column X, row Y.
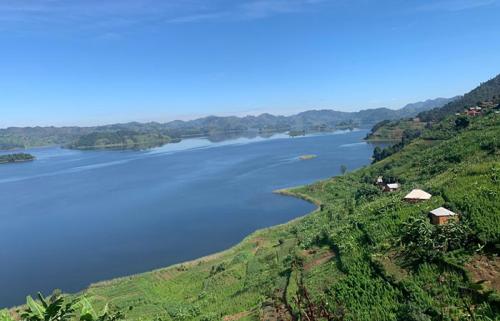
column 235, row 317
column 323, row 258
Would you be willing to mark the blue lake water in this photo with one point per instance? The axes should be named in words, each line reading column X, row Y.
column 72, row 218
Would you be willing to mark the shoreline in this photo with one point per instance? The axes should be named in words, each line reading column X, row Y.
column 288, row 192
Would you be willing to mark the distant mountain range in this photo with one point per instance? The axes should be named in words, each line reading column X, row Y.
column 415, row 108
column 312, row 120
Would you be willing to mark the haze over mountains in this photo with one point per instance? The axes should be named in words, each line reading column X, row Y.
column 312, row 120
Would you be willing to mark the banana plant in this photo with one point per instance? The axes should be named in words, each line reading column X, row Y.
column 5, row 315
column 88, row 313
column 57, row 308
column 53, row 309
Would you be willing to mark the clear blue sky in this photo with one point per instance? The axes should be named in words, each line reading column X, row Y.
column 93, row 61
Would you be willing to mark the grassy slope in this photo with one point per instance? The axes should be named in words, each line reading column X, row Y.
column 346, row 250
column 393, row 131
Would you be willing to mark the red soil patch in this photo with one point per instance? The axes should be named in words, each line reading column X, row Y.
column 258, row 242
column 485, row 269
column 321, row 259
column 237, row 316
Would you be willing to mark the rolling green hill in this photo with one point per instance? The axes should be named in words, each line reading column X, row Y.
column 363, row 255
column 395, row 130
column 122, row 139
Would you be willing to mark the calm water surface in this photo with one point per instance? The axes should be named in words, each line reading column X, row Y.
column 76, row 217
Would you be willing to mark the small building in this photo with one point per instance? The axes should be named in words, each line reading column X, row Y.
column 441, row 216
column 473, row 112
column 379, row 181
column 392, row 187
column 417, row 195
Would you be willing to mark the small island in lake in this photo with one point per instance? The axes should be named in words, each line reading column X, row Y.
column 16, row 158
column 307, row 157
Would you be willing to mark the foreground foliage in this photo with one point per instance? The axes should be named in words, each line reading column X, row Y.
column 60, row 308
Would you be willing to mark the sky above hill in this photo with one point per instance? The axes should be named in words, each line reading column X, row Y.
column 82, row 62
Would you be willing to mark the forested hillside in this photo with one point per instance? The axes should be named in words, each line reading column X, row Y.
column 487, row 91
column 396, row 130
column 364, row 254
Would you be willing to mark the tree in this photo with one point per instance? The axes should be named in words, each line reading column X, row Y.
column 462, row 122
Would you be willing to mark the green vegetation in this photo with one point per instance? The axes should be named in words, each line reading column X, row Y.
column 16, row 158
column 391, row 131
column 59, row 308
column 123, row 139
column 363, row 255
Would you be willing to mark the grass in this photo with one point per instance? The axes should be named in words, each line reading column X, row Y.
column 393, row 131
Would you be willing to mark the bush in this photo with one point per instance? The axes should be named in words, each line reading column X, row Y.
column 462, row 122
column 367, row 192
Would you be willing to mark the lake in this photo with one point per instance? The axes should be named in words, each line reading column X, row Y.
column 72, row 218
